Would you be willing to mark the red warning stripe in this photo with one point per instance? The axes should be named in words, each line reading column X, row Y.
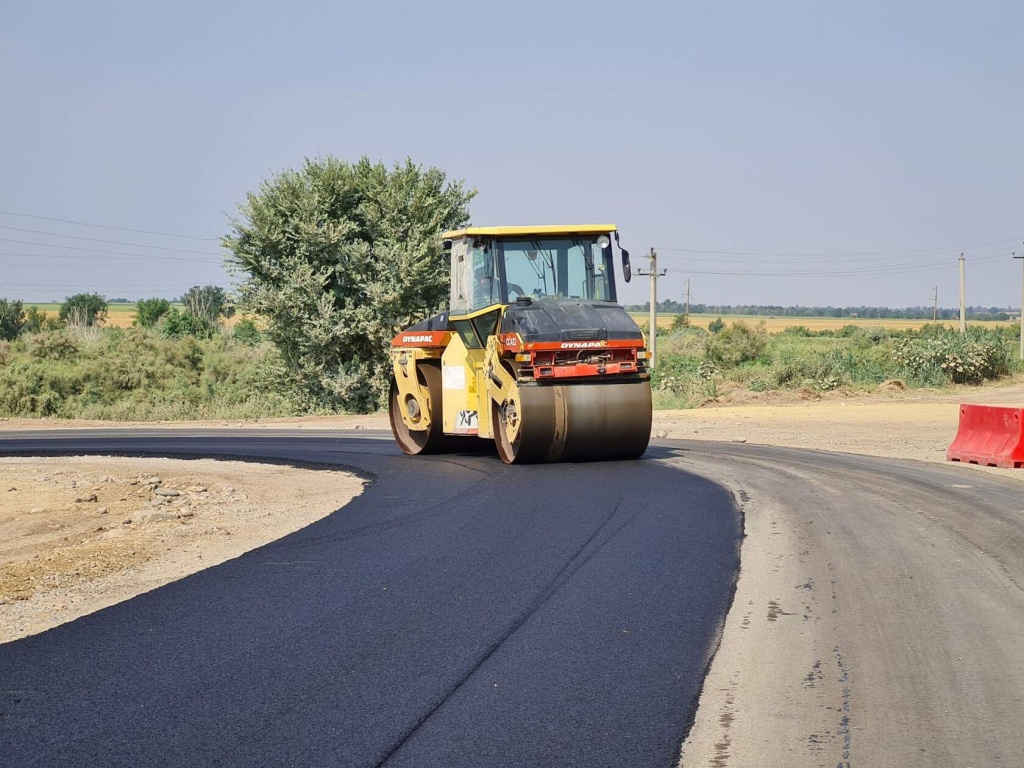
column 570, row 346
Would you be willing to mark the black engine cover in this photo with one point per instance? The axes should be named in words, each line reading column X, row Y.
column 569, row 320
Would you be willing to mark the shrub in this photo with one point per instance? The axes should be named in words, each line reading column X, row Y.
column 717, row 325
column 246, row 332
column 739, row 343
column 149, row 311
column 141, row 374
column 54, row 346
column 36, row 320
column 176, row 324
column 953, row 357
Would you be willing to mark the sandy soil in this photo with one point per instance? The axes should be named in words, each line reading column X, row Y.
column 82, row 533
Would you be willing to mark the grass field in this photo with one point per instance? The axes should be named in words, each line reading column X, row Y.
column 778, row 324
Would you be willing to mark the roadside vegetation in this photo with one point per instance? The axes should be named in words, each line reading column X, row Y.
column 696, row 365
column 142, row 374
column 173, row 364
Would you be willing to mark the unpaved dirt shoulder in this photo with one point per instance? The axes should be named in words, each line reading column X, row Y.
column 78, row 534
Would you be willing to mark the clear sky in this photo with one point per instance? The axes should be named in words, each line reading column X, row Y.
column 786, row 153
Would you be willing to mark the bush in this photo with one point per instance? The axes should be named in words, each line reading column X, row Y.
column 149, row 311
column 53, row 346
column 140, row 374
column 739, row 343
column 953, row 357
column 246, row 332
column 717, row 325
column 176, row 324
column 36, row 321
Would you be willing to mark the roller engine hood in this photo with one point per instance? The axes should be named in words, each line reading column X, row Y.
column 569, row 320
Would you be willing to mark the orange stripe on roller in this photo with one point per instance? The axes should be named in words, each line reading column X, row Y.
column 421, row 339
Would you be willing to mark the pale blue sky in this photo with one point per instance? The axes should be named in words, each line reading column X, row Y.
column 810, row 128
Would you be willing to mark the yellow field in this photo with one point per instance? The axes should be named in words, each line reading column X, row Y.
column 120, row 315
column 778, row 324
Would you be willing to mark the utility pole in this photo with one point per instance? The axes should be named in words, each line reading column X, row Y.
column 935, row 306
column 687, row 300
column 1021, row 305
column 654, row 275
column 963, row 301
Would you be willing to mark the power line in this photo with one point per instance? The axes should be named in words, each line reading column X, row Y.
column 841, row 271
column 717, row 260
column 151, row 256
column 93, row 287
column 98, row 240
column 103, row 226
column 125, row 257
column 853, row 253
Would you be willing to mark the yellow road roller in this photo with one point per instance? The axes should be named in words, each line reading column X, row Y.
column 534, row 353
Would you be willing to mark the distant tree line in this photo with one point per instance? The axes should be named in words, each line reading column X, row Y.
column 670, row 306
column 204, row 307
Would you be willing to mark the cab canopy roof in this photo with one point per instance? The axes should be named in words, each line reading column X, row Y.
column 546, row 229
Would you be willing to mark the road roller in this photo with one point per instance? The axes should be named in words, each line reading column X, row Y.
column 534, row 352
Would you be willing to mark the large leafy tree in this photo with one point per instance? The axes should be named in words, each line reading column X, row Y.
column 338, row 257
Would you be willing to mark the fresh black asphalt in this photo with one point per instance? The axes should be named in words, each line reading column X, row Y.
column 460, row 612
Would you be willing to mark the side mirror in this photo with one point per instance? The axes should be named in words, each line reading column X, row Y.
column 627, row 270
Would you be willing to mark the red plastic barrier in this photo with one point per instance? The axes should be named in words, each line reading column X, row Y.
column 989, row 435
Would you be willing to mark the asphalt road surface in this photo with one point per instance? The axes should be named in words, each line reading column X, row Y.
column 465, row 613
column 879, row 616
column 460, row 612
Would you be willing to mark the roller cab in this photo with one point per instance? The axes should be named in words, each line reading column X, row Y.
column 534, row 353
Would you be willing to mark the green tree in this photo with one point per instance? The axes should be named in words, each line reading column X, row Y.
column 207, row 302
column 177, row 324
column 717, row 325
column 338, row 257
column 35, row 320
column 149, row 311
column 83, row 309
column 12, row 319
